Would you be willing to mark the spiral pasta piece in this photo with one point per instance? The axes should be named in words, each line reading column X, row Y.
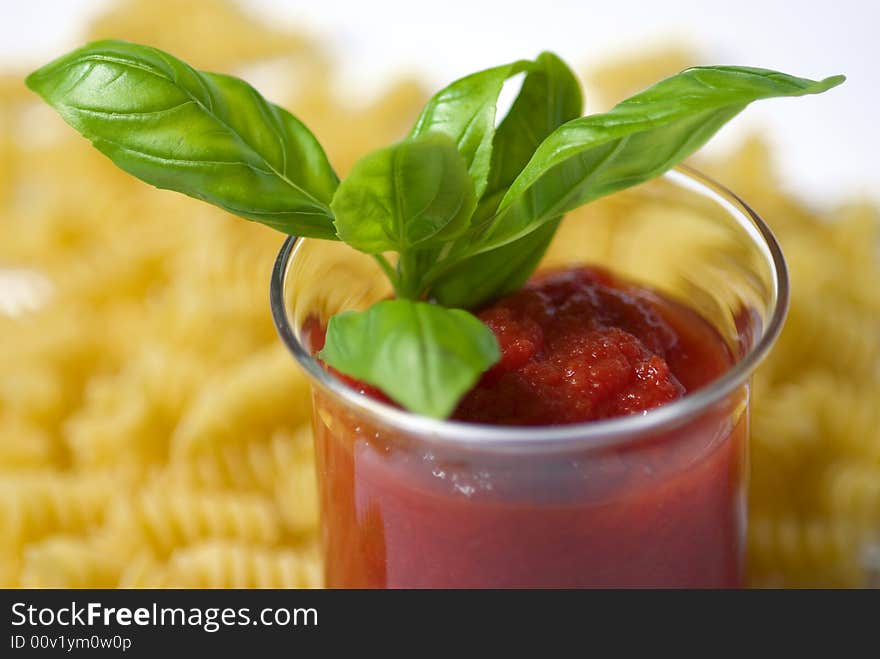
column 253, row 395
column 144, row 571
column 24, row 445
column 225, row 565
column 255, row 465
column 69, row 562
column 852, row 491
column 163, row 520
column 36, row 504
column 791, row 552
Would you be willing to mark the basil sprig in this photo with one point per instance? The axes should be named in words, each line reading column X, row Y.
column 467, row 204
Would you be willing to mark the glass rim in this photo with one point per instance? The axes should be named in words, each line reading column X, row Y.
column 595, row 434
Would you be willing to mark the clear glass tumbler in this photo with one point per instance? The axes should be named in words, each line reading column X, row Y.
column 651, row 500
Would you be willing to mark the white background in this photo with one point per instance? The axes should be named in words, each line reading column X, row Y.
column 828, row 145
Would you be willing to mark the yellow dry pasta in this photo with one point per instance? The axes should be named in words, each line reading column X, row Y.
column 69, row 562
column 254, row 395
column 831, row 335
column 212, row 34
column 162, row 519
column 296, row 495
column 229, row 565
column 851, row 417
column 24, row 445
column 806, row 552
column 247, row 466
column 35, row 504
column 144, row 571
column 852, row 491
column 127, row 417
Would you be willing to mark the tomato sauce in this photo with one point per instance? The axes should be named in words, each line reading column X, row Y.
column 579, row 345
column 664, row 509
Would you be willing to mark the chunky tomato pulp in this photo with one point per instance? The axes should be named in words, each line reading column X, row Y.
column 578, row 345
column 659, row 509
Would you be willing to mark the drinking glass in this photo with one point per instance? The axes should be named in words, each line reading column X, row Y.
column 649, row 500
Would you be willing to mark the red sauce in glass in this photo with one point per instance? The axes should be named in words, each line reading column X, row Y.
column 577, row 345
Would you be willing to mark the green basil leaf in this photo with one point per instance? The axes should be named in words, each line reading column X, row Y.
column 206, row 135
column 402, row 196
column 423, row 356
column 550, row 96
column 465, row 111
column 638, row 139
column 480, row 279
